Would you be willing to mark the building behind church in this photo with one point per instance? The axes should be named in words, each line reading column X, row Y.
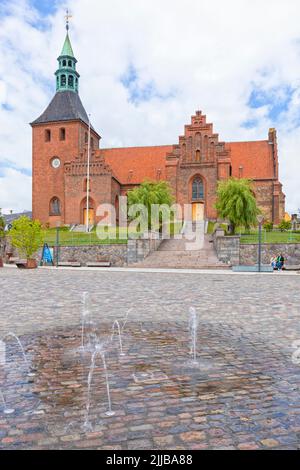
column 193, row 166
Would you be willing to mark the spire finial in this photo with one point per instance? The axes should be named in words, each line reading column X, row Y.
column 67, row 17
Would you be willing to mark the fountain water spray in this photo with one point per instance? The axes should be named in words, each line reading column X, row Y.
column 193, row 324
column 98, row 352
column 12, row 335
column 2, row 353
column 126, row 319
column 116, row 324
column 84, row 314
column 7, row 411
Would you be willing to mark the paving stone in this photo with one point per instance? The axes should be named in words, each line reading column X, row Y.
column 247, row 399
column 140, row 444
column 192, row 436
column 269, row 442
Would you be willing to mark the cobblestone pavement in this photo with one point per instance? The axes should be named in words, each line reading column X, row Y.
column 242, row 394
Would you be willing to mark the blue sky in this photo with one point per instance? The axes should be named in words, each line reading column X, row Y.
column 140, row 91
column 46, row 7
column 277, row 100
column 145, row 68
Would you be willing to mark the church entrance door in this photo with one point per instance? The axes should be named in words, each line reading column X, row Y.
column 198, row 212
column 91, row 220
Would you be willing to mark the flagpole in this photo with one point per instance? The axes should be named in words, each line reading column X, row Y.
column 88, row 177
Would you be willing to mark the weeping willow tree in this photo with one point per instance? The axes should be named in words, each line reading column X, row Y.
column 236, row 203
column 149, row 194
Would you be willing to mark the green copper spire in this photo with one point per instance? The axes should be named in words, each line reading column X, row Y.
column 67, row 76
column 67, row 48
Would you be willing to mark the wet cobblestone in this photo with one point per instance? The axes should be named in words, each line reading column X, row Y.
column 248, row 397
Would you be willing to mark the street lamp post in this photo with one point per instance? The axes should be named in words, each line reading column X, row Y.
column 57, row 243
column 88, row 177
column 260, row 220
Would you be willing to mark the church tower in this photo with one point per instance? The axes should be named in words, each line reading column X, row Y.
column 59, row 136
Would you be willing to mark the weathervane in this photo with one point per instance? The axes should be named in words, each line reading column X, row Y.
column 67, row 17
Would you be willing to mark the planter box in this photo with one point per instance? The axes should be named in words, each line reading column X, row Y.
column 28, row 264
column 31, row 264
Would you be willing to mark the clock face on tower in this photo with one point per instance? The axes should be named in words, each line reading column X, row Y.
column 55, row 163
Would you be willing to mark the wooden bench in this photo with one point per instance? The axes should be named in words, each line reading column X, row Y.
column 98, row 264
column 21, row 263
column 291, row 267
column 69, row 264
column 252, row 269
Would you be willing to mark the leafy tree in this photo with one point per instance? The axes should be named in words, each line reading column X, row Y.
column 285, row 225
column 236, row 203
column 26, row 235
column 150, row 193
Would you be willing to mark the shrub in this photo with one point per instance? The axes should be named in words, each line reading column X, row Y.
column 26, row 235
column 285, row 225
column 268, row 226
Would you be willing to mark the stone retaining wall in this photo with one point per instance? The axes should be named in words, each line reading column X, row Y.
column 115, row 254
column 227, row 248
column 118, row 254
column 140, row 248
column 249, row 253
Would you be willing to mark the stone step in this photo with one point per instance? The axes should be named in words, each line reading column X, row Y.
column 178, row 254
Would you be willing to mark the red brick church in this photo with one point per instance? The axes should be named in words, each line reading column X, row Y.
column 193, row 166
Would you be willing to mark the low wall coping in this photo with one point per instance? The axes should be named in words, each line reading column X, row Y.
column 270, row 244
column 86, row 246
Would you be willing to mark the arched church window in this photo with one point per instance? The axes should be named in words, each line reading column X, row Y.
column 62, row 133
column 198, row 189
column 86, row 138
column 198, row 140
column 55, row 206
column 64, row 63
column 184, row 152
column 47, row 135
column 70, row 63
column 63, row 80
column 71, row 81
column 198, row 156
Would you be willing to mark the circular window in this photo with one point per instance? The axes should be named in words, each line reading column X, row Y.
column 55, row 162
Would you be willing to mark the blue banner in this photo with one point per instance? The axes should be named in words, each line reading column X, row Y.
column 47, row 257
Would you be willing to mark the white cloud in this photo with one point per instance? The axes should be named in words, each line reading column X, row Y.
column 211, row 53
column 15, row 191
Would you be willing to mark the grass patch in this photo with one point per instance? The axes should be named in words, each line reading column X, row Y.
column 270, row 237
column 67, row 238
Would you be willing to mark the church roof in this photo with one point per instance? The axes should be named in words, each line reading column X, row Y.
column 67, row 48
column 65, row 106
column 133, row 165
column 255, row 158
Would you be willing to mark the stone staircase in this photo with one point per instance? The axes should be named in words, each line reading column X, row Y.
column 184, row 254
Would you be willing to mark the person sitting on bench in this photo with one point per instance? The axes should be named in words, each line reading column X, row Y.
column 280, row 262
